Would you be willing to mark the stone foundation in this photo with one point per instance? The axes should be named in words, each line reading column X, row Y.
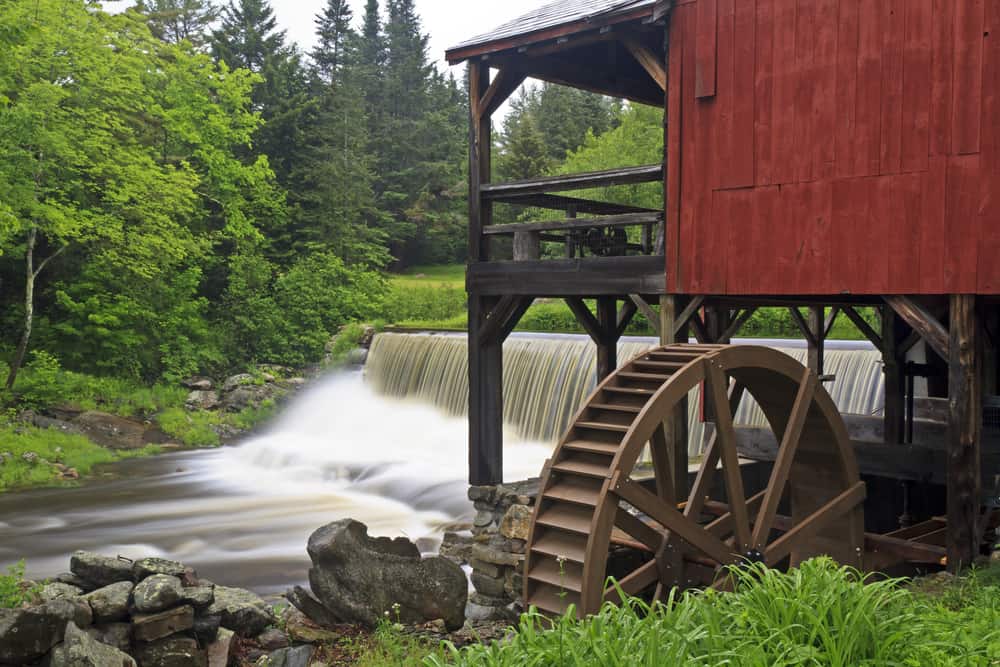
column 500, row 534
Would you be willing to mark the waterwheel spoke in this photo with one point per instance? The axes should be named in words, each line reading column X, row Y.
column 783, row 464
column 809, row 527
column 718, row 384
column 724, row 524
column 638, row 529
column 672, row 520
column 659, row 451
column 635, row 582
column 706, row 473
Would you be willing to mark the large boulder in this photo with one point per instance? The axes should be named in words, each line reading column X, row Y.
column 249, row 396
column 360, row 579
column 100, row 570
column 79, row 649
column 241, row 611
column 28, row 634
column 111, row 431
column 110, row 603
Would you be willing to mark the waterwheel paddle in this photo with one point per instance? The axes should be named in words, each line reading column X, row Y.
column 592, row 500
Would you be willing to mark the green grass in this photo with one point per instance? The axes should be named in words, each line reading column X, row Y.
column 820, row 615
column 51, row 447
column 14, row 591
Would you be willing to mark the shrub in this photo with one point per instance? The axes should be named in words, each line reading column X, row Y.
column 194, row 429
column 14, row 591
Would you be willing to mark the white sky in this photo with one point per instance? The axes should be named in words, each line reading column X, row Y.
column 448, row 22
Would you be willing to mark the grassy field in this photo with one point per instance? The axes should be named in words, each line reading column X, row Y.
column 433, row 297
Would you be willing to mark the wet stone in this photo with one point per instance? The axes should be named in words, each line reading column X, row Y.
column 157, row 593
column 118, row 635
column 100, row 570
column 147, row 567
column 198, row 596
column 58, row 590
column 80, row 649
column 110, row 603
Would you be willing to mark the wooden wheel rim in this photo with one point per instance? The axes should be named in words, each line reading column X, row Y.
column 815, row 473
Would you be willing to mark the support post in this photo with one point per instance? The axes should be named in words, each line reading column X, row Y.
column 607, row 346
column 485, row 397
column 965, row 421
column 817, row 342
column 480, row 142
column 894, row 414
column 675, row 428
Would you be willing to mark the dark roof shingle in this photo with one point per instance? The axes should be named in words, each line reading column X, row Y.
column 551, row 15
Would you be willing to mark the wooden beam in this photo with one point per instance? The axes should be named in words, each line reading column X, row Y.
column 581, row 206
column 894, row 414
column 802, row 324
column 651, row 315
column 921, row 319
column 507, row 81
column 626, row 220
column 817, row 345
column 831, row 319
column 584, row 277
column 524, row 303
column 675, row 427
column 625, row 316
column 496, row 318
column 562, row 183
column 607, row 346
column 965, row 422
column 689, row 313
column 863, row 326
column 738, row 322
column 485, row 398
column 653, row 65
column 480, row 142
column 586, row 319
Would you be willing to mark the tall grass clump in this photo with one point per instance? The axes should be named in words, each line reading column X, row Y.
column 819, row 614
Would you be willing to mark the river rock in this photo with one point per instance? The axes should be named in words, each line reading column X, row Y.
column 57, row 590
column 111, row 431
column 360, row 578
column 219, row 650
column 100, row 570
column 79, row 649
column 118, row 635
column 150, row 627
column 301, row 628
column 206, row 628
column 272, row 640
column 146, row 567
column 74, row 580
column 235, row 381
column 198, row 383
column 298, row 656
column 29, row 633
column 198, row 596
column 41, row 421
column 241, row 611
column 157, row 593
column 248, row 396
column 202, row 400
column 172, row 652
column 110, row 603
column 516, row 523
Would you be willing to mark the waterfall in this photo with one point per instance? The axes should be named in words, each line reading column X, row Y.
column 547, row 378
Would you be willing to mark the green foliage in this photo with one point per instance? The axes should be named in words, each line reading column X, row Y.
column 14, row 590
column 50, row 446
column 819, row 614
column 195, row 429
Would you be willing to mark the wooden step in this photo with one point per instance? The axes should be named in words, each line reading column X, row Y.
column 669, row 366
column 674, row 355
column 629, row 391
column 582, row 491
column 573, row 518
column 561, row 544
column 613, row 407
column 593, row 447
column 642, row 377
column 603, row 426
column 585, row 468
column 552, row 599
column 568, row 577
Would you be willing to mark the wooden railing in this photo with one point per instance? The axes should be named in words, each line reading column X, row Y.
column 602, row 234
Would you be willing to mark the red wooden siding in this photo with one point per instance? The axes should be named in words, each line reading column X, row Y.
column 834, row 146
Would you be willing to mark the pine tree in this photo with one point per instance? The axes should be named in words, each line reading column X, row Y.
column 248, row 36
column 523, row 152
column 333, row 30
column 177, row 20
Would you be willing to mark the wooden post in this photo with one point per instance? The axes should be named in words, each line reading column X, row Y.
column 817, row 342
column 965, row 420
column 607, row 346
column 480, row 142
column 894, row 414
column 676, row 427
column 527, row 246
column 485, row 398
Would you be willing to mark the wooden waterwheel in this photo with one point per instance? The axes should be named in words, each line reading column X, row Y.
column 599, row 514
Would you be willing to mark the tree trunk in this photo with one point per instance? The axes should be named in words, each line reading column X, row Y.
column 29, row 308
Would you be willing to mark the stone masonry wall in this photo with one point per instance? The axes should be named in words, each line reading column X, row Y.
column 500, row 534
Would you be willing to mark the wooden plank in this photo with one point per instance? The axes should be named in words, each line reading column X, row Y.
column 965, row 421
column 816, row 352
column 763, row 92
column 625, row 220
column 673, row 146
column 904, row 249
column 848, row 32
column 689, row 313
column 915, row 141
column 725, row 70
column 587, row 320
column 968, row 83
column 863, row 326
column 892, row 24
column 805, row 90
column 595, row 179
column 963, row 220
column 905, row 550
column 717, row 388
column 814, row 523
column 741, row 172
column 706, row 48
column 932, row 230
column 497, row 318
column 647, row 311
column 922, row 320
column 783, row 99
column 869, row 102
column 825, row 104
column 581, row 206
column 737, row 323
column 942, row 76
column 502, row 87
column 523, row 304
column 692, row 154
column 625, row 317
column 587, row 277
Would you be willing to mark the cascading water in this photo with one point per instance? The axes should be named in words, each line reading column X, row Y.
column 546, row 378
